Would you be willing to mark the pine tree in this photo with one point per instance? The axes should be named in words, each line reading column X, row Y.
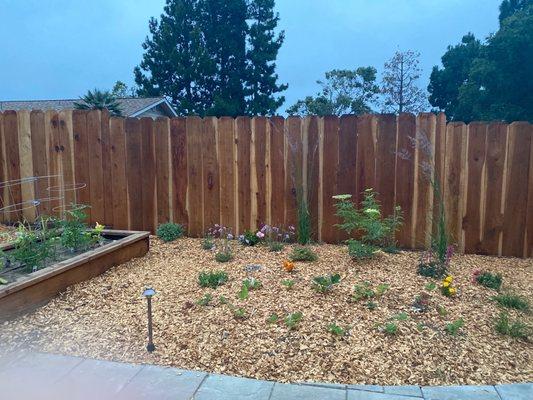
column 263, row 47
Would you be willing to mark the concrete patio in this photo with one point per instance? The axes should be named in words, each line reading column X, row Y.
column 46, row 376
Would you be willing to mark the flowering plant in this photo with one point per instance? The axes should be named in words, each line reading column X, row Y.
column 447, row 288
column 219, row 238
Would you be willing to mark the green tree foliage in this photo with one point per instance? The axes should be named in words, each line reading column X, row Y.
column 496, row 82
column 120, row 89
column 99, row 100
column 343, row 91
column 213, row 57
column 400, row 84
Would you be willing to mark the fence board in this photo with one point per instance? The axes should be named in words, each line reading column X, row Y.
column 472, row 223
column 148, row 173
column 39, row 161
column 178, row 155
column 162, row 169
column 211, row 186
column 66, row 153
column 13, row 193
column 293, row 168
column 26, row 165
column 133, row 173
column 244, row 208
column 118, row 173
column 107, row 177
column 260, row 178
column 515, row 211
column 277, row 170
column 438, row 167
column 330, row 149
column 96, row 173
column 366, row 154
column 226, row 144
column 81, row 158
column 313, row 173
column 194, row 176
column 385, row 161
column 528, row 252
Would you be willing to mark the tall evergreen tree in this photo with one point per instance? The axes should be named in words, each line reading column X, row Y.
column 263, row 47
column 213, row 57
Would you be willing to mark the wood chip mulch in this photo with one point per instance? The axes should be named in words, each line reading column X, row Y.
column 106, row 318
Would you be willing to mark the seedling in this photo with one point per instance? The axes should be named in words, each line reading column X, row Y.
column 288, row 283
column 273, row 318
column 212, row 279
column 205, row 300
column 336, row 330
column 324, row 284
column 292, row 320
column 454, row 327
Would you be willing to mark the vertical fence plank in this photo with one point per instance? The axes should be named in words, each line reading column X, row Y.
column 260, row 179
column 194, row 176
column 438, row 167
column 26, row 166
column 313, row 173
column 293, row 168
column 67, row 167
column 453, row 184
column 514, row 221
column 226, row 144
column 133, row 173
column 162, row 143
column 528, row 251
column 148, row 174
column 495, row 162
column 178, row 154
column 96, row 173
column 107, row 180
column 366, row 154
column 244, row 208
column 405, row 177
column 81, row 157
column 277, row 168
column 385, row 161
column 475, row 194
column 211, row 187
column 3, row 169
column 329, row 233
column 13, row 193
column 423, row 192
column 118, row 172
column 39, row 161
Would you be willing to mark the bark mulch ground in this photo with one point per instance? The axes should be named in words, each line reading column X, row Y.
column 106, row 318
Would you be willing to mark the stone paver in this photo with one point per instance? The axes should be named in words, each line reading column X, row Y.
column 283, row 391
column 54, row 377
column 159, row 383
column 515, row 391
column 460, row 393
column 220, row 387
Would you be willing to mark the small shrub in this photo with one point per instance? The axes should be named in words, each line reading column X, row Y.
column 292, row 320
column 403, row 316
column 239, row 313
column 381, row 289
column 371, row 305
column 336, row 330
column 430, row 286
column 442, row 311
column 249, row 238
column 288, row 283
column 243, row 293
column 205, row 300
column 224, row 256
column 454, row 327
column 302, row 253
column 447, row 288
column 247, row 285
column 208, row 243
column 432, row 269
column 363, row 291
column 273, row 318
column 516, row 329
column 390, row 328
column 275, row 246
column 170, row 231
column 212, row 279
column 510, row 300
column 358, row 250
column 324, row 284
column 488, row 279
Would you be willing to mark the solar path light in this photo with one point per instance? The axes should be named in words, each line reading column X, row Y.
column 149, row 293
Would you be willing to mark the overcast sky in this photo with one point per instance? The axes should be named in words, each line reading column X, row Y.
column 53, row 49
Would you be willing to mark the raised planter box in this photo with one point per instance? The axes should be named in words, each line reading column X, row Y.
column 37, row 288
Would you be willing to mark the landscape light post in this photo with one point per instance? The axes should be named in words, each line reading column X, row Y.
column 149, row 293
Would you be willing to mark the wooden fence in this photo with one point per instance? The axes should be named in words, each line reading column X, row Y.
column 137, row 173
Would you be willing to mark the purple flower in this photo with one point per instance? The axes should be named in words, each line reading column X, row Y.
column 260, row 235
column 230, row 236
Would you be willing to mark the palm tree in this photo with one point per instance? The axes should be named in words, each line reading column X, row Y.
column 99, row 100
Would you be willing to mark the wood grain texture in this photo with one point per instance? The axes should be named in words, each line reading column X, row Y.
column 226, row 144
column 194, row 176
column 178, row 156
column 243, row 139
column 211, row 185
column 107, row 170
column 366, row 155
column 133, row 172
column 515, row 211
column 81, row 158
column 385, row 161
column 96, row 173
column 148, row 174
column 39, row 161
column 26, row 166
column 313, row 173
column 162, row 168
column 118, row 173
column 260, row 163
column 329, row 233
column 293, row 169
column 277, row 168
column 13, row 192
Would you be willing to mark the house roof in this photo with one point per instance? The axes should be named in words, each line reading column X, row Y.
column 131, row 106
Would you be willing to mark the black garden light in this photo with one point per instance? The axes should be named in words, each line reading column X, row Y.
column 149, row 293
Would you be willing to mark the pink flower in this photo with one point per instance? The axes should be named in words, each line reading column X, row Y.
column 260, row 235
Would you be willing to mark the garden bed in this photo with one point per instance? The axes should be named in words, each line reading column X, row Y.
column 106, row 318
column 27, row 290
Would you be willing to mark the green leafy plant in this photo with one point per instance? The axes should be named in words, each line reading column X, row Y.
column 367, row 221
column 292, row 320
column 170, row 231
column 243, row 293
column 421, row 303
column 381, row 289
column 511, row 300
column 516, row 329
column 371, row 305
column 430, row 286
column 303, row 230
column 303, row 253
column 208, row 243
column 247, row 285
column 273, row 318
column 432, row 269
column 212, row 279
column 403, row 316
column 288, row 283
column 325, row 283
column 30, row 249
column 224, row 256
column 358, row 250
column 275, row 246
column 205, row 300
column 74, row 235
column 336, row 330
column 249, row 238
column 454, row 327
column 239, row 313
column 390, row 328
column 442, row 311
column 488, row 279
column 363, row 291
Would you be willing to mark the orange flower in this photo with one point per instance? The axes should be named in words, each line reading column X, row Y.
column 288, row 265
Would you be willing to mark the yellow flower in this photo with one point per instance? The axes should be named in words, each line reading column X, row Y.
column 99, row 227
column 453, row 291
column 445, row 283
column 449, row 279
